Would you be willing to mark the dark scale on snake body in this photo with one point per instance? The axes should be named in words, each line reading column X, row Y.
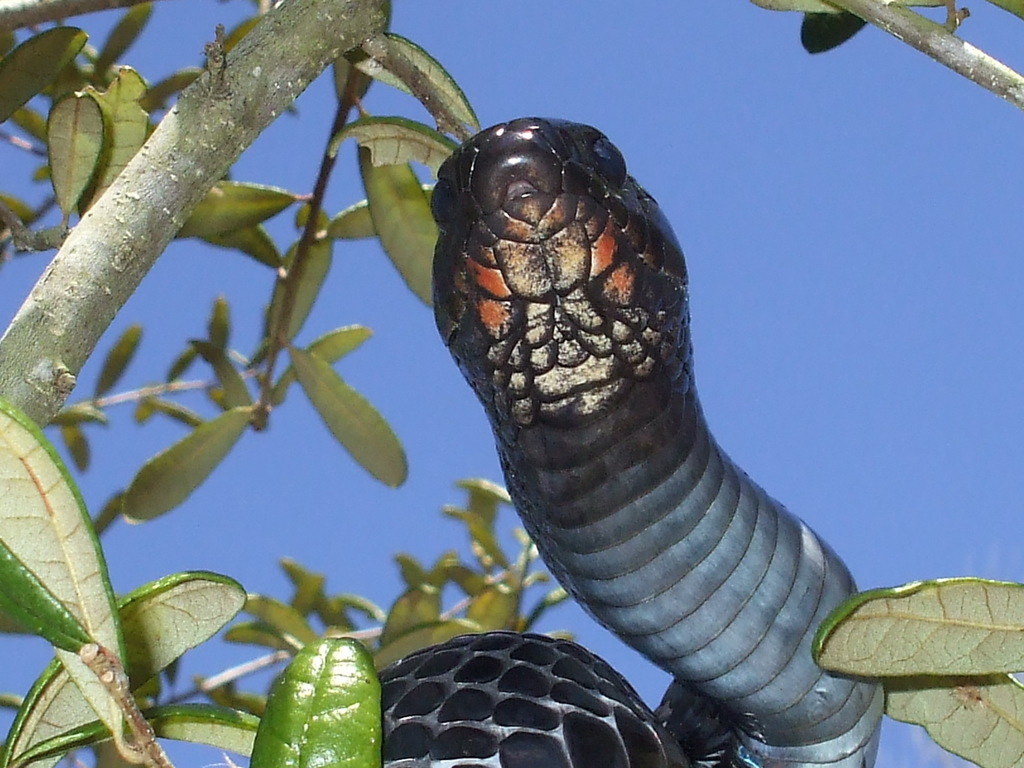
column 561, row 292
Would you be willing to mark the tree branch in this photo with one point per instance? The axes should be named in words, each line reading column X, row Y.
column 120, row 237
column 937, row 42
column 15, row 14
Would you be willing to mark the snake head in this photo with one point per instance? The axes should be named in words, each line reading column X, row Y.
column 557, row 280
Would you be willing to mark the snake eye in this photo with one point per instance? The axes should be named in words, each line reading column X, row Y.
column 442, row 201
column 609, row 162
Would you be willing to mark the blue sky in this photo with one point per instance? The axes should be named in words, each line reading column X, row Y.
column 851, row 223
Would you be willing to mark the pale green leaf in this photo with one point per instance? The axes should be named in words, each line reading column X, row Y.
column 76, row 134
column 421, row 637
column 943, row 627
column 121, row 37
column 356, row 223
column 252, row 241
column 414, row 608
column 169, row 478
column 127, row 126
column 330, row 347
column 31, row 66
column 981, row 718
column 236, row 393
column 324, row 710
column 281, row 618
column 401, row 216
column 117, row 360
column 396, row 140
column 353, row 421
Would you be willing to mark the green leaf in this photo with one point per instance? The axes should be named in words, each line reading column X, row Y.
column 79, row 413
column 76, row 134
column 401, row 216
column 330, row 347
column 167, row 617
column 396, row 140
column 232, row 205
column 309, row 587
column 48, row 540
column 31, row 122
column 496, row 607
column 414, row 608
column 252, row 241
column 356, row 223
column 218, row 327
column 324, row 710
column 979, row 718
column 118, row 358
column 261, row 634
column 126, row 124
column 421, row 637
column 226, row 729
column 943, row 627
column 160, row 93
column 355, row 423
column 169, row 478
column 121, row 37
column 317, row 265
column 822, row 32
column 181, row 363
column 77, row 445
column 445, row 90
column 281, row 618
column 236, row 393
column 31, row 66
column 149, row 405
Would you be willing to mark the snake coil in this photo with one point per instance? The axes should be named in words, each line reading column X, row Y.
column 561, row 292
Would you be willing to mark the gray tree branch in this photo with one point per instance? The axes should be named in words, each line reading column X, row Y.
column 16, row 14
column 117, row 241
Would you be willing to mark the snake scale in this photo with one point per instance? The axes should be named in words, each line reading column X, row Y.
column 561, row 292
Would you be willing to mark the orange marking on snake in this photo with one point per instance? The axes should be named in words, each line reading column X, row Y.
column 490, row 280
column 603, row 253
column 493, row 314
column 619, row 284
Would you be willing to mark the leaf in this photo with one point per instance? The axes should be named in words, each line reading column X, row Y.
column 444, row 88
column 236, row 393
column 31, row 122
column 822, row 32
column 75, row 146
column 121, row 37
column 126, row 124
column 980, row 718
column 421, row 637
column 413, row 608
column 48, row 539
column 79, row 413
column 167, row 617
column 77, row 445
column 309, row 587
column 226, row 729
column 496, row 607
column 169, row 478
column 252, row 241
column 403, row 222
column 118, row 359
column 31, row 66
column 311, row 280
column 149, row 405
column 324, row 710
column 232, row 205
column 159, row 94
column 218, row 327
column 356, row 223
column 330, row 347
column 944, row 627
column 396, row 140
column 282, row 618
column 261, row 634
column 351, row 419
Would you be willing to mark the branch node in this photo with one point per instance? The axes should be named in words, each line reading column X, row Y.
column 216, row 64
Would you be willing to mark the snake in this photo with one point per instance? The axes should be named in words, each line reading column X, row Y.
column 561, row 292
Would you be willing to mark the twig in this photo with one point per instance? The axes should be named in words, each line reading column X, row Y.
column 15, row 14
column 938, row 43
column 231, row 675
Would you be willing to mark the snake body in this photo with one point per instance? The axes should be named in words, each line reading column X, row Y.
column 561, row 292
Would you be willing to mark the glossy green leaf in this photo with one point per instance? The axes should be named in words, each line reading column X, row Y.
column 401, row 216
column 353, row 421
column 169, row 478
column 330, row 347
column 122, row 36
column 980, row 718
column 396, row 140
column 413, row 608
column 158, row 94
column 232, row 205
column 31, row 66
column 282, row 618
column 943, row 627
column 421, row 637
column 118, row 358
column 76, row 134
column 48, row 540
column 220, row 727
column 356, row 223
column 324, row 710
column 167, row 617
column 148, row 406
column 126, row 124
column 443, row 86
column 252, row 241
column 236, row 393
